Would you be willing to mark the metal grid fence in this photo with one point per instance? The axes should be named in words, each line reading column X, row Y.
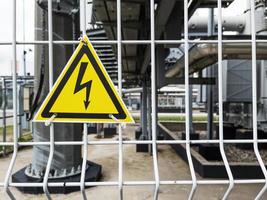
column 154, row 142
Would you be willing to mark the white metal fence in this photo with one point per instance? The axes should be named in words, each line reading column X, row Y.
column 120, row 183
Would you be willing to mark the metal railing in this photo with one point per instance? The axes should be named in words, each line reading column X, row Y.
column 120, row 183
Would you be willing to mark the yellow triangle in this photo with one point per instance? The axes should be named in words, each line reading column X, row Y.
column 84, row 92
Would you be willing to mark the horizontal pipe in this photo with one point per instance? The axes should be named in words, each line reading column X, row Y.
column 132, row 90
column 204, row 55
column 229, row 23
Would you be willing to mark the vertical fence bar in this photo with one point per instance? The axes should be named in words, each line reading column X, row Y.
column 153, row 99
column 85, row 128
column 187, row 101
column 14, row 83
column 220, row 85
column 85, row 153
column 254, row 98
column 51, row 78
column 119, row 61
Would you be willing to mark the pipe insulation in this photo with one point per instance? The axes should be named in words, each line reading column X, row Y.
column 230, row 23
column 204, row 55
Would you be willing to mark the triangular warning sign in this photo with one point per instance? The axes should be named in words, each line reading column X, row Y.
column 84, row 92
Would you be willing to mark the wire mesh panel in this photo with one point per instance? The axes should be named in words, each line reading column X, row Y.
column 151, row 44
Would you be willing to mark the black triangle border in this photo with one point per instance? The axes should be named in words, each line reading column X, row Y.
column 84, row 50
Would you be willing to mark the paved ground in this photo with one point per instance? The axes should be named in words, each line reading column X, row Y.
column 137, row 166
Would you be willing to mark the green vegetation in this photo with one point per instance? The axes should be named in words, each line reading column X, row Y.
column 26, row 137
column 179, row 118
column 9, row 130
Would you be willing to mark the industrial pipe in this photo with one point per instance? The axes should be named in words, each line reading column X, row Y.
column 204, row 55
column 132, row 90
column 229, row 23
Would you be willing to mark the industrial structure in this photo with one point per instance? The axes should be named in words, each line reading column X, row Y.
column 163, row 57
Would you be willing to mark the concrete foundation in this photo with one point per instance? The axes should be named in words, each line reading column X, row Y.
column 93, row 173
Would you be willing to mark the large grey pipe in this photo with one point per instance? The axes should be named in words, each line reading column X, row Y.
column 66, row 158
column 204, row 55
column 230, row 23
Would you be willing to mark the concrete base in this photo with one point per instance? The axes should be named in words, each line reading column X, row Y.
column 160, row 137
column 93, row 173
column 193, row 136
column 210, row 151
column 141, row 147
column 248, row 134
column 92, row 130
column 214, row 169
column 242, row 134
column 229, row 131
column 110, row 132
column 138, row 133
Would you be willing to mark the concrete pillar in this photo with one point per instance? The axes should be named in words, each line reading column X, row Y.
column 65, row 157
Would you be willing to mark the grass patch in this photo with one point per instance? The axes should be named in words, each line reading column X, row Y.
column 9, row 130
column 24, row 138
column 179, row 118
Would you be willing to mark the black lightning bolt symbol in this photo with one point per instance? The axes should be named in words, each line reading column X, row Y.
column 87, row 85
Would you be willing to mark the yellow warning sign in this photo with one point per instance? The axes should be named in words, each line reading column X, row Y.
column 84, row 92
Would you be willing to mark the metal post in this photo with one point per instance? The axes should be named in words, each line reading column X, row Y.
column 220, row 88
column 192, row 130
column 14, row 83
column 144, row 111
column 20, row 110
column 149, row 117
column 141, row 109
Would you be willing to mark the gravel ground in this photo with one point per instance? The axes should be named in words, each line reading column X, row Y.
column 233, row 153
